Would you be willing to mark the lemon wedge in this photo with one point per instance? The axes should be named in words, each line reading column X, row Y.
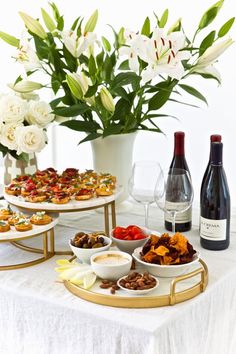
column 62, row 262
column 89, row 280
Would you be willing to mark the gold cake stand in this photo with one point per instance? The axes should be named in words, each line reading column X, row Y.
column 146, row 301
column 48, row 250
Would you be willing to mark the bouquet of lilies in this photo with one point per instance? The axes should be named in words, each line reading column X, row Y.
column 104, row 88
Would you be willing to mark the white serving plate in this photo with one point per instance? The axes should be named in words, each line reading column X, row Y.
column 37, row 229
column 72, row 205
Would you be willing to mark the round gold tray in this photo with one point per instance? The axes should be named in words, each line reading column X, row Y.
column 194, row 287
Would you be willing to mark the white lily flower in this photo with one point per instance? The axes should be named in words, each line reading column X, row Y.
column 78, row 45
column 27, row 56
column 163, row 55
column 135, row 47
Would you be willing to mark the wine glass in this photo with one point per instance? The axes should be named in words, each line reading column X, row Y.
column 174, row 192
column 142, row 183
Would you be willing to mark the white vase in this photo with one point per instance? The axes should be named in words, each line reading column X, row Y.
column 15, row 167
column 114, row 154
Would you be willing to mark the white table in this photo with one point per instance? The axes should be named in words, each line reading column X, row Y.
column 39, row 316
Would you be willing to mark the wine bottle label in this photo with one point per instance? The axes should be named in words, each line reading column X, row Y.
column 181, row 217
column 214, row 230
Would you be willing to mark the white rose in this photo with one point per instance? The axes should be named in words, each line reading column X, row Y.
column 8, row 135
column 39, row 113
column 12, row 109
column 30, row 139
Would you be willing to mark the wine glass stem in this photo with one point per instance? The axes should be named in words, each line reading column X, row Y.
column 146, row 207
column 173, row 222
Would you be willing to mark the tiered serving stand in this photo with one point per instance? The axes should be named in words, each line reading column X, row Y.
column 73, row 206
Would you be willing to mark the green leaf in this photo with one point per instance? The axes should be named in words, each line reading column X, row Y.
column 91, row 90
column 89, row 137
column 112, row 129
column 99, row 58
column 124, row 65
column 226, row 27
column 210, row 14
column 75, row 23
column 10, row 39
column 116, row 43
column 123, row 79
column 208, row 76
column 184, row 103
column 71, row 61
column 164, row 18
column 106, row 44
column 158, row 100
column 60, row 23
column 146, row 27
column 55, row 83
column 192, row 91
column 122, row 108
column 42, row 48
column 91, row 23
column 107, row 68
column 55, row 10
column 207, row 42
column 92, row 66
column 72, row 111
column 55, row 102
column 81, row 126
column 49, row 23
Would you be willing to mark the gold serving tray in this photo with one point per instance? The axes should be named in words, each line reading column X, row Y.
column 144, row 301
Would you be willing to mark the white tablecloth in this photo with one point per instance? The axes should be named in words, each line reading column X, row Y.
column 39, row 316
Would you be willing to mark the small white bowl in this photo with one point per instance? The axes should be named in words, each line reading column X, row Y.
column 130, row 245
column 84, row 254
column 165, row 271
column 111, row 271
column 138, row 292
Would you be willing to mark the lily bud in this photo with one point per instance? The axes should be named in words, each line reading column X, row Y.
column 49, row 23
column 73, row 83
column 25, row 86
column 212, row 53
column 9, row 39
column 33, row 25
column 91, row 24
column 107, row 100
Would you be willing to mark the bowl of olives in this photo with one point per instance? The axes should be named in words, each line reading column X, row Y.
column 84, row 245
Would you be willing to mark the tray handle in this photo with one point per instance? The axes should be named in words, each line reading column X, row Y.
column 203, row 283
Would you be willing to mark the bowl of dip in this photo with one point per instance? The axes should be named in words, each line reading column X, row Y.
column 111, row 265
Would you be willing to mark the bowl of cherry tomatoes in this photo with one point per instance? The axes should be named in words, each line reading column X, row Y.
column 130, row 237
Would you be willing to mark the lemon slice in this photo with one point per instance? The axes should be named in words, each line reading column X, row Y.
column 62, row 262
column 89, row 280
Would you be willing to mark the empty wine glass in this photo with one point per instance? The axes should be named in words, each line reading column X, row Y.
column 142, row 183
column 174, row 193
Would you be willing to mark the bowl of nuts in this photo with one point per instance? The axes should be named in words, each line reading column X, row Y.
column 84, row 245
column 138, row 283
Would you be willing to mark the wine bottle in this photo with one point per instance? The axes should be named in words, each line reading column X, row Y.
column 213, row 138
column 183, row 221
column 215, row 204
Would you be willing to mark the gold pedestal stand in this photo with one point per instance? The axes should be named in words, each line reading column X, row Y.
column 47, row 251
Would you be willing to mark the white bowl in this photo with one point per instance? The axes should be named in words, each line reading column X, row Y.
column 165, row 271
column 138, row 292
column 84, row 254
column 130, row 245
column 111, row 271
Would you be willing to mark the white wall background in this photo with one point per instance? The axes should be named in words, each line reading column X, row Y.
column 198, row 124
